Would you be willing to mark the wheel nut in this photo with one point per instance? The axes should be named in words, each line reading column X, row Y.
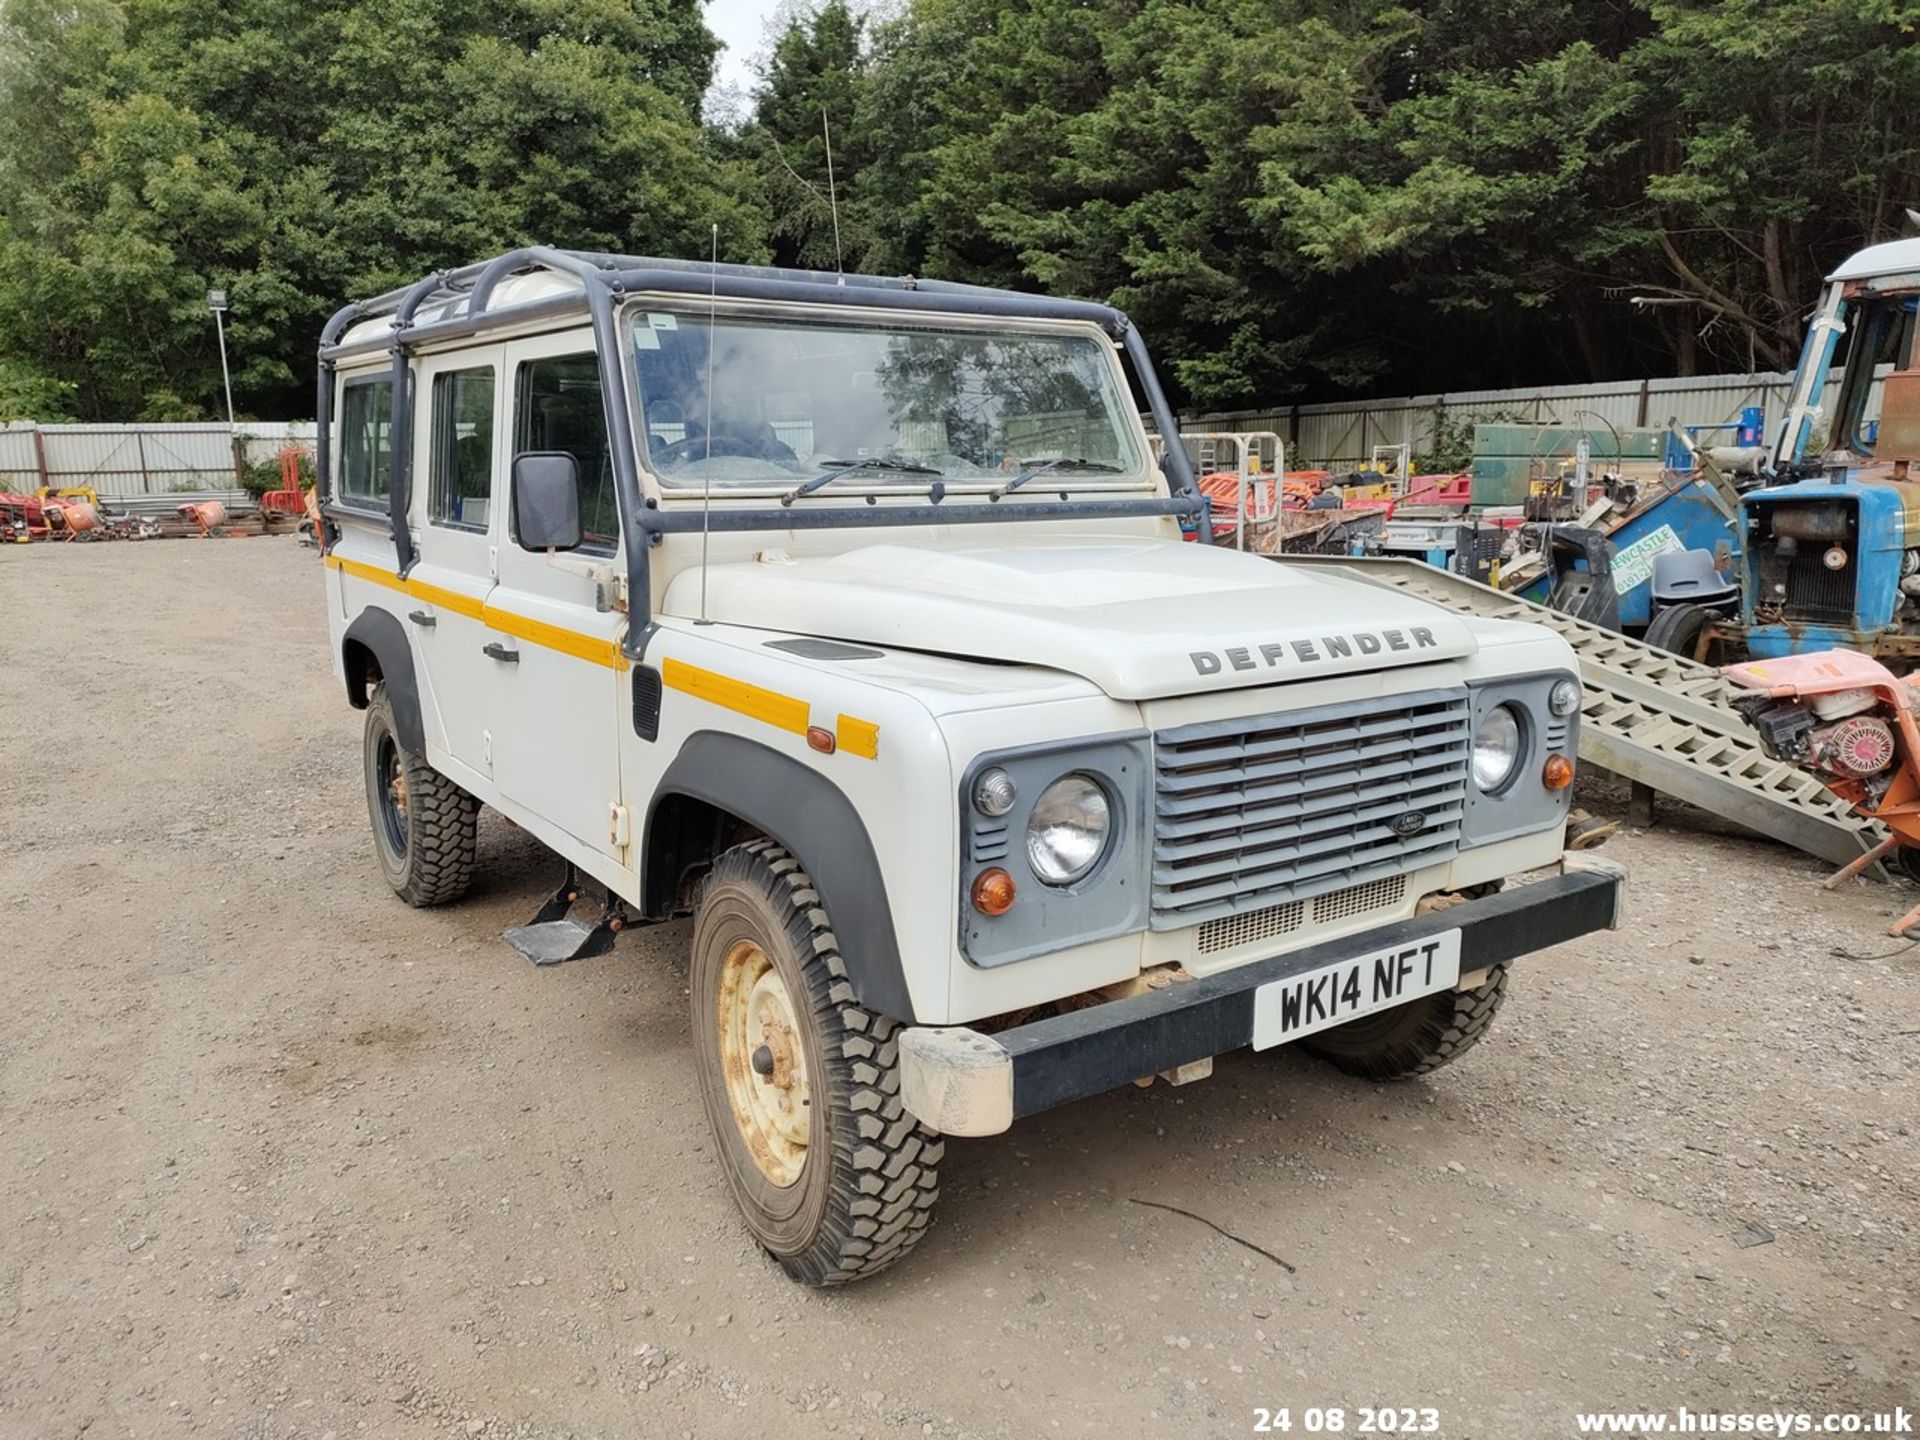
column 761, row 1060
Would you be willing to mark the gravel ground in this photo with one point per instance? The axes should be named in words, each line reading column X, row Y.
column 284, row 1158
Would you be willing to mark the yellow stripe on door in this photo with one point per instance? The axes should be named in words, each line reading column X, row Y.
column 594, row 648
column 784, row 712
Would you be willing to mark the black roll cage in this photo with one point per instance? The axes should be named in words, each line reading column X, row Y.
column 605, row 281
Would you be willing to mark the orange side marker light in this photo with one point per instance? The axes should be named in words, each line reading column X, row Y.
column 993, row 892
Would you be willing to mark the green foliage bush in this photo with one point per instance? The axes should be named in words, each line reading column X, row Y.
column 299, row 153
column 1295, row 198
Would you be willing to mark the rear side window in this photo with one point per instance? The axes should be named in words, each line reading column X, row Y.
column 557, row 406
column 460, row 486
column 366, row 441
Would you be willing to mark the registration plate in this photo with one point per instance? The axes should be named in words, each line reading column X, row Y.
column 1285, row 1010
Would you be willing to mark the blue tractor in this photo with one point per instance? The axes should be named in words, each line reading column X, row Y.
column 1829, row 547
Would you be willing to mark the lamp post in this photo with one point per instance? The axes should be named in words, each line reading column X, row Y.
column 217, row 303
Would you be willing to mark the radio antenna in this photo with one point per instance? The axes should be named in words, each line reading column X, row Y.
column 706, row 471
column 833, row 203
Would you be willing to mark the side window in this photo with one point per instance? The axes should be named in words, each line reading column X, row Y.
column 461, row 480
column 366, row 439
column 557, row 406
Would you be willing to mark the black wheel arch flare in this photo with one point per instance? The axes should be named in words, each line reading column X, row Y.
column 376, row 633
column 815, row 821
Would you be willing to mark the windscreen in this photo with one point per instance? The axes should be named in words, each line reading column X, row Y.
column 884, row 402
column 1879, row 339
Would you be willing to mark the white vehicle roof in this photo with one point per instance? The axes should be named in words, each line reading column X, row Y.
column 1894, row 257
column 514, row 290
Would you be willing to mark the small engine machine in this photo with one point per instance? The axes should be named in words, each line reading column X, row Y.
column 1855, row 725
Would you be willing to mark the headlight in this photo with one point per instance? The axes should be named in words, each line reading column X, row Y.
column 1564, row 699
column 1496, row 748
column 1068, row 830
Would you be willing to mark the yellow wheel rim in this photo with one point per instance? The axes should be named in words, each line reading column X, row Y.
column 764, row 1062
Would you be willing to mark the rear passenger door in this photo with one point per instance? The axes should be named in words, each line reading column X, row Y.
column 555, row 744
column 457, row 467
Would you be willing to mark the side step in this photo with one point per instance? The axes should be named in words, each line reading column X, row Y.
column 1654, row 717
column 553, row 938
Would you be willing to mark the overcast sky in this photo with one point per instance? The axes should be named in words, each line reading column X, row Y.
column 741, row 26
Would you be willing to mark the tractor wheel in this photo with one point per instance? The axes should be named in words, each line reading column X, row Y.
column 1678, row 627
column 801, row 1085
column 425, row 827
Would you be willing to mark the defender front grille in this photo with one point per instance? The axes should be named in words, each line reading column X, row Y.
column 1252, row 814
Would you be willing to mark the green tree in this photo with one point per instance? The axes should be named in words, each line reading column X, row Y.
column 1301, row 197
column 1294, row 197
column 299, row 154
column 810, row 94
column 1786, row 135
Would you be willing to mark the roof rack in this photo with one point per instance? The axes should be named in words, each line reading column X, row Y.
column 605, row 279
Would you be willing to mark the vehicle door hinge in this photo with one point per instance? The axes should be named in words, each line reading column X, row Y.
column 493, row 562
column 486, row 747
column 619, row 826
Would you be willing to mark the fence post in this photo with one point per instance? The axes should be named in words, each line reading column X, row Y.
column 140, row 449
column 1646, row 394
column 40, row 455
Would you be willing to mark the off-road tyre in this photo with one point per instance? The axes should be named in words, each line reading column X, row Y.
column 428, row 856
column 866, row 1189
column 1677, row 628
column 1416, row 1038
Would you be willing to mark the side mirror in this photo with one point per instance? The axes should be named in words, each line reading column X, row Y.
column 546, row 500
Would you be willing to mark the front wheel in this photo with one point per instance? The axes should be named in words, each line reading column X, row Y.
column 1416, row 1038
column 801, row 1085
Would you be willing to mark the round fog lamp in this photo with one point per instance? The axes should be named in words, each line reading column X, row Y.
column 1564, row 698
column 1496, row 748
column 994, row 793
column 1068, row 830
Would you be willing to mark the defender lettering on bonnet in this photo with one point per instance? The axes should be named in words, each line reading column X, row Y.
column 1310, row 652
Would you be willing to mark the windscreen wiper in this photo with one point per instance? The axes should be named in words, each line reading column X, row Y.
column 1033, row 472
column 837, row 468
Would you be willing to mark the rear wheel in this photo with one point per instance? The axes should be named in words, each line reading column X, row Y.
column 801, row 1085
column 425, row 827
column 1416, row 1038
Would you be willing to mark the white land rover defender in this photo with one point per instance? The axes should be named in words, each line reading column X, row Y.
column 852, row 617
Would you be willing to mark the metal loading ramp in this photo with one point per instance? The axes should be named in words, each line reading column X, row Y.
column 1653, row 717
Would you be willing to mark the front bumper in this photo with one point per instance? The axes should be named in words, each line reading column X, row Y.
column 962, row 1082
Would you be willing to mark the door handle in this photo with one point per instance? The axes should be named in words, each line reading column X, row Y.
column 422, row 619
column 497, row 651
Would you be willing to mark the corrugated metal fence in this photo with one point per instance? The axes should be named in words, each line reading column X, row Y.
column 1345, row 432
column 128, row 460
column 121, row 461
